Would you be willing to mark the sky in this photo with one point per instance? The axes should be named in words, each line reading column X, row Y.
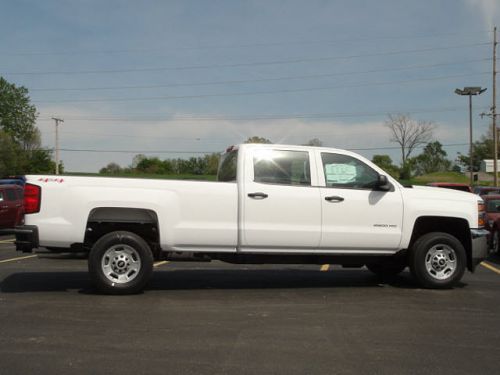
column 183, row 78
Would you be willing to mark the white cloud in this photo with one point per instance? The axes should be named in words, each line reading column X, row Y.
column 184, row 133
column 489, row 9
column 181, row 134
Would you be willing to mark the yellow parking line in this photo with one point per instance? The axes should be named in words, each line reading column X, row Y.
column 490, row 267
column 158, row 264
column 18, row 258
column 7, row 241
column 324, row 267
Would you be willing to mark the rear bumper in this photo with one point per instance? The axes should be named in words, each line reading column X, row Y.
column 26, row 237
column 479, row 248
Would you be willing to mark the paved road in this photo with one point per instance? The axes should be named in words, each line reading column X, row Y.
column 215, row 318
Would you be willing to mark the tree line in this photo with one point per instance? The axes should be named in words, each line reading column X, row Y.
column 202, row 165
column 408, row 133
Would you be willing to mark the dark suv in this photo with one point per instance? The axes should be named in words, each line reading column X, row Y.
column 11, row 206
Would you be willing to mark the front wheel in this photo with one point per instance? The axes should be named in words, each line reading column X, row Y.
column 437, row 260
column 120, row 263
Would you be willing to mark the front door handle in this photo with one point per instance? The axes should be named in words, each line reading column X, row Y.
column 258, row 195
column 334, row 198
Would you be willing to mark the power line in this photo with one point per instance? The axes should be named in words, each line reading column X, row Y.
column 200, row 96
column 194, row 139
column 236, row 65
column 234, row 46
column 140, row 151
column 266, row 117
column 218, row 151
column 271, row 79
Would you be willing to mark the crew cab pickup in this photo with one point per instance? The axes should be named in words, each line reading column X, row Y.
column 270, row 204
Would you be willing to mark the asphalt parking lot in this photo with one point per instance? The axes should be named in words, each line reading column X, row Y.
column 216, row 318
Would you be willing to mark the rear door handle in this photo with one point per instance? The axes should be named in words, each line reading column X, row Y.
column 334, row 198
column 258, row 195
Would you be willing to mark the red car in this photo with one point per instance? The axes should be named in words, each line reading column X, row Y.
column 484, row 190
column 11, row 206
column 492, row 204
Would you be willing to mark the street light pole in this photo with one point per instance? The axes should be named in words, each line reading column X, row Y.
column 469, row 91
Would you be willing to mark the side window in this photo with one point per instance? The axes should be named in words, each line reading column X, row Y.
column 282, row 167
column 227, row 167
column 11, row 195
column 344, row 171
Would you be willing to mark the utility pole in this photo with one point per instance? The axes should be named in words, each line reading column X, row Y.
column 57, row 120
column 494, row 109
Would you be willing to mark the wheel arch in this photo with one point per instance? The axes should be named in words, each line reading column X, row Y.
column 457, row 227
column 141, row 221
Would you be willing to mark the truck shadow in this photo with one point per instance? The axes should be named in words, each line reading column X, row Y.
column 211, row 279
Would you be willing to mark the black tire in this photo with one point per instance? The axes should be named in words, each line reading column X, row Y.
column 120, row 263
column 388, row 268
column 437, row 260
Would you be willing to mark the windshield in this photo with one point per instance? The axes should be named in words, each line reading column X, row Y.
column 493, row 205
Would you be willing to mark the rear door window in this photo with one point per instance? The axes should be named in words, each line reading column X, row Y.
column 282, row 167
column 11, row 195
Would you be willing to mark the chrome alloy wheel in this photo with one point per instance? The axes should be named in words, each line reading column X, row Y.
column 441, row 261
column 121, row 264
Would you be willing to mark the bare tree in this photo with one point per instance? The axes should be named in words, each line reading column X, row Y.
column 409, row 133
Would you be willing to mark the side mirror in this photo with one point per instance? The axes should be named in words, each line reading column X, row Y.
column 383, row 183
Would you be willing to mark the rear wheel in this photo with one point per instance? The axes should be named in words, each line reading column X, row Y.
column 437, row 260
column 120, row 263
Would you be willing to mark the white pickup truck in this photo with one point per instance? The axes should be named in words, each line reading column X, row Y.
column 271, row 204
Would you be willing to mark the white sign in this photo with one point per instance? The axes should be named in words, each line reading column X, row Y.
column 340, row 173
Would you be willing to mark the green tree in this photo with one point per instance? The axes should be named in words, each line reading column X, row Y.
column 211, row 163
column 256, row 139
column 40, row 161
column 111, row 168
column 150, row 165
column 483, row 149
column 137, row 159
column 9, row 155
column 385, row 162
column 17, row 114
column 432, row 159
column 17, row 122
